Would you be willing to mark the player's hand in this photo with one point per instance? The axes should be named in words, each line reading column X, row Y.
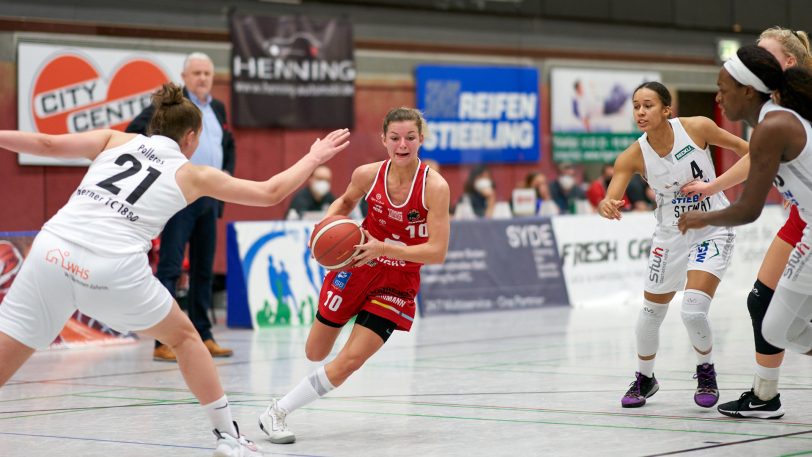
column 610, row 209
column 691, row 220
column 697, row 187
column 323, row 149
column 370, row 250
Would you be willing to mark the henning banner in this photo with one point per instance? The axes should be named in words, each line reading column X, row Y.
column 479, row 114
column 591, row 112
column 292, row 72
column 65, row 89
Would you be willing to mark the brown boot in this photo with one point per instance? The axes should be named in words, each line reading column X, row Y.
column 216, row 350
column 163, row 354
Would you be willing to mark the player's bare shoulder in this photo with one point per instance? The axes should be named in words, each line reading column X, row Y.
column 364, row 175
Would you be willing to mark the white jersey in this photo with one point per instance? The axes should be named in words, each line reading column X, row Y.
column 125, row 199
column 794, row 178
column 666, row 175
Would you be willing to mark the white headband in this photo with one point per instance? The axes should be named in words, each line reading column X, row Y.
column 743, row 75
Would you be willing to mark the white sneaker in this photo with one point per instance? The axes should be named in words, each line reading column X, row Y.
column 228, row 446
column 272, row 422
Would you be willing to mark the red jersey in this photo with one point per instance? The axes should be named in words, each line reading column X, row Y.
column 403, row 224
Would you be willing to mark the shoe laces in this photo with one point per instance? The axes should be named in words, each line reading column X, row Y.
column 706, row 378
column 635, row 388
column 278, row 415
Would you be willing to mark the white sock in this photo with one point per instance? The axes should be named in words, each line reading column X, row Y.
column 704, row 358
column 645, row 367
column 765, row 382
column 220, row 416
column 311, row 388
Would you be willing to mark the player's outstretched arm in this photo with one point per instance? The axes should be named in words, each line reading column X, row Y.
column 197, row 181
column 85, row 145
column 627, row 164
column 715, row 135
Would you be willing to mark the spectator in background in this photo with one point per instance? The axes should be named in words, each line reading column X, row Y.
column 197, row 223
column 316, row 196
column 597, row 190
column 478, row 193
column 640, row 195
column 565, row 191
column 545, row 206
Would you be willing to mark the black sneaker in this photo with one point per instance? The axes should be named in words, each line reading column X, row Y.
column 641, row 388
column 749, row 405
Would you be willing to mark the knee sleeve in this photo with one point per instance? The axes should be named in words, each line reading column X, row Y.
column 695, row 306
column 786, row 323
column 757, row 303
column 648, row 327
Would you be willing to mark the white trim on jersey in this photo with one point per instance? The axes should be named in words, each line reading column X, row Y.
column 411, row 187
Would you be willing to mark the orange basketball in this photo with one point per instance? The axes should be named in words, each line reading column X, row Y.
column 333, row 241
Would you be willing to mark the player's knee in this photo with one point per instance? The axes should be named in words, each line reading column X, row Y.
column 648, row 327
column 757, row 303
column 316, row 354
column 695, row 307
column 774, row 331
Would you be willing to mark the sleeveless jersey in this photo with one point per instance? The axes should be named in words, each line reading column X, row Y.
column 666, row 175
column 403, row 224
column 794, row 178
column 125, row 199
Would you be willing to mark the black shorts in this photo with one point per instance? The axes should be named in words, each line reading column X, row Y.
column 381, row 326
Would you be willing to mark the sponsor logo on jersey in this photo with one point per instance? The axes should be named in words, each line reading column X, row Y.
column 413, row 215
column 341, row 279
column 684, row 152
column 382, row 221
column 657, row 264
column 797, row 260
column 706, row 250
column 59, row 257
column 378, row 196
column 395, row 215
column 397, row 301
column 377, row 208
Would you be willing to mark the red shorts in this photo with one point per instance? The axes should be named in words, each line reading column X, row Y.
column 793, row 229
column 380, row 290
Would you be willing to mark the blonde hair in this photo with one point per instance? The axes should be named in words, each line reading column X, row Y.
column 794, row 43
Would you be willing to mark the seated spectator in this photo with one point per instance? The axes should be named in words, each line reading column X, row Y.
column 597, row 190
column 479, row 193
column 545, row 206
column 565, row 191
column 316, row 196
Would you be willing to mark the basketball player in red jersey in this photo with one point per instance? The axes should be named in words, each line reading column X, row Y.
column 406, row 226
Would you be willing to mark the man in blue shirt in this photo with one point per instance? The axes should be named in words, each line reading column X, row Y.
column 197, row 223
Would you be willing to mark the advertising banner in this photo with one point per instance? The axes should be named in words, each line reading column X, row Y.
column 479, row 114
column 292, row 72
column 591, row 112
column 495, row 265
column 80, row 329
column 64, row 89
column 271, row 278
column 604, row 260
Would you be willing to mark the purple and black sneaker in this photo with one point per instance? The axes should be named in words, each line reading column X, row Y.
column 707, row 392
column 641, row 388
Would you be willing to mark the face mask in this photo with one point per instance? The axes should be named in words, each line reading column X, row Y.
column 320, row 187
column 566, row 182
column 483, row 184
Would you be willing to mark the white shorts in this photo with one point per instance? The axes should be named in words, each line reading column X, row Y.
column 673, row 254
column 797, row 275
column 58, row 277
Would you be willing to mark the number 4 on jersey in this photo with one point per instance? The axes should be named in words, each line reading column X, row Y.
column 696, row 171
